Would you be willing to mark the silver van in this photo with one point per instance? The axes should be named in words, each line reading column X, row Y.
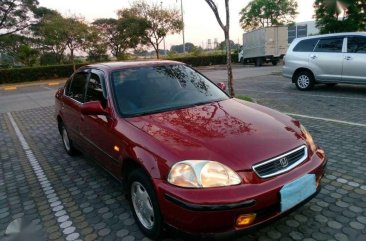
column 327, row 59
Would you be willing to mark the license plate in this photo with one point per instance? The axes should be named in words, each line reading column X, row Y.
column 297, row 191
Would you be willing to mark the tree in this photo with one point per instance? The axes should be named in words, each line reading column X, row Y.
column 334, row 16
column 16, row 15
column 96, row 46
column 58, row 34
column 179, row 48
column 265, row 13
column 160, row 22
column 123, row 33
column 20, row 48
column 76, row 36
column 226, row 29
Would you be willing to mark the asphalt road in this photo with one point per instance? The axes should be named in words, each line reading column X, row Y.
column 70, row 198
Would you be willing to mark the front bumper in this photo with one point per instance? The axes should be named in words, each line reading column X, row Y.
column 215, row 210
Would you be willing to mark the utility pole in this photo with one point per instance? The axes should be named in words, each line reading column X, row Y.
column 181, row 9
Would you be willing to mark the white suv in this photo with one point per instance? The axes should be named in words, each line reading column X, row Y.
column 327, row 59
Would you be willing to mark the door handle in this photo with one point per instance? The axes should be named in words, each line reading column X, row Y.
column 313, row 57
column 347, row 57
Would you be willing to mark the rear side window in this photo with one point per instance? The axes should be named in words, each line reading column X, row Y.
column 330, row 45
column 356, row 45
column 77, row 86
column 306, row 45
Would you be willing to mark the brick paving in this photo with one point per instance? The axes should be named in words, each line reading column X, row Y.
column 95, row 205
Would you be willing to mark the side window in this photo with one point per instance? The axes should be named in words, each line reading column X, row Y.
column 306, row 45
column 356, row 45
column 77, row 87
column 95, row 89
column 332, row 45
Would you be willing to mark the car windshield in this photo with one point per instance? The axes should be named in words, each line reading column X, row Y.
column 153, row 89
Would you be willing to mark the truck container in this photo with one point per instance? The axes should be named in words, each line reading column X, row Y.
column 264, row 45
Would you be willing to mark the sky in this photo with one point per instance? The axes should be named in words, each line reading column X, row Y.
column 200, row 22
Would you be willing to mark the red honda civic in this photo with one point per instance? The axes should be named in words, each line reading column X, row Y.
column 187, row 154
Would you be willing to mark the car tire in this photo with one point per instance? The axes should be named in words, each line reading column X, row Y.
column 144, row 204
column 274, row 62
column 304, row 80
column 258, row 62
column 66, row 141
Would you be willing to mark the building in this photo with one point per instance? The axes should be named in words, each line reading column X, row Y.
column 302, row 29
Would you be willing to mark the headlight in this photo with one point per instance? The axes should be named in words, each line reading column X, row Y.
column 202, row 174
column 309, row 138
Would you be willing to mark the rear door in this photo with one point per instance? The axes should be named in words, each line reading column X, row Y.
column 354, row 61
column 75, row 94
column 327, row 59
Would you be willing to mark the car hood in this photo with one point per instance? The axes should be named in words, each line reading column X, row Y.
column 236, row 133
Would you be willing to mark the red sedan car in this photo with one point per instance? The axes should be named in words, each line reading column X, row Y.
column 189, row 155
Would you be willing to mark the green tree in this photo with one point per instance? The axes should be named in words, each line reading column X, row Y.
column 96, row 46
column 121, row 34
column 16, row 15
column 59, row 34
column 226, row 29
column 20, row 48
column 265, row 13
column 160, row 22
column 334, row 16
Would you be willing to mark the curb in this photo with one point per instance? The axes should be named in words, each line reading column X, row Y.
column 10, row 87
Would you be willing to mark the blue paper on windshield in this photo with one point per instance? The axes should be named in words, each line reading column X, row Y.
column 297, row 191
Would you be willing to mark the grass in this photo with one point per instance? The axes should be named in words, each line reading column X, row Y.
column 244, row 97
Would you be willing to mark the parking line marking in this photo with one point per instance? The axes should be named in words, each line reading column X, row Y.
column 53, row 83
column 327, row 119
column 55, row 204
column 10, row 88
column 299, row 94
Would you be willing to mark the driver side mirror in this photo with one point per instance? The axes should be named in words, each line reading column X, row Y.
column 221, row 85
column 93, row 108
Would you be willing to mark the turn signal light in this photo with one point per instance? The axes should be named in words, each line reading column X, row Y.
column 245, row 219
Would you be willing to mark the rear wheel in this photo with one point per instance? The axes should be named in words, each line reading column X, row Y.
column 258, row 62
column 274, row 62
column 304, row 80
column 144, row 204
column 66, row 141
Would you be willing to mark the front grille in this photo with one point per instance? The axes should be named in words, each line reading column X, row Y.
column 282, row 163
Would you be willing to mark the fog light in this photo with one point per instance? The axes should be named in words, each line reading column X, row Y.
column 245, row 219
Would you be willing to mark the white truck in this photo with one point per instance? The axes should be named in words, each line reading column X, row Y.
column 264, row 45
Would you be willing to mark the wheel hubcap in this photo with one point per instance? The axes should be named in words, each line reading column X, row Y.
column 303, row 81
column 142, row 204
column 65, row 138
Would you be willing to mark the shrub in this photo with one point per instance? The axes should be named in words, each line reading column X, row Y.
column 205, row 60
column 36, row 73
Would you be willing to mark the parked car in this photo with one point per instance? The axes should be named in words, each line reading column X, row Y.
column 187, row 154
column 327, row 59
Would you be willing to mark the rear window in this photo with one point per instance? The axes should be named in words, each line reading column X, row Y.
column 330, row 45
column 307, row 45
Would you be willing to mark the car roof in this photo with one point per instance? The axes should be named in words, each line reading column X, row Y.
column 130, row 64
column 333, row 35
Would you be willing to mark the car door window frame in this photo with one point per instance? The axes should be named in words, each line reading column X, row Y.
column 69, row 85
column 102, row 77
column 327, row 38
column 354, row 36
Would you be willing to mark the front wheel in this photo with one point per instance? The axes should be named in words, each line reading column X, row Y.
column 304, row 80
column 144, row 204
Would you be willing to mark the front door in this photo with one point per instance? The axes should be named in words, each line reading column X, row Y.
column 98, row 130
column 327, row 59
